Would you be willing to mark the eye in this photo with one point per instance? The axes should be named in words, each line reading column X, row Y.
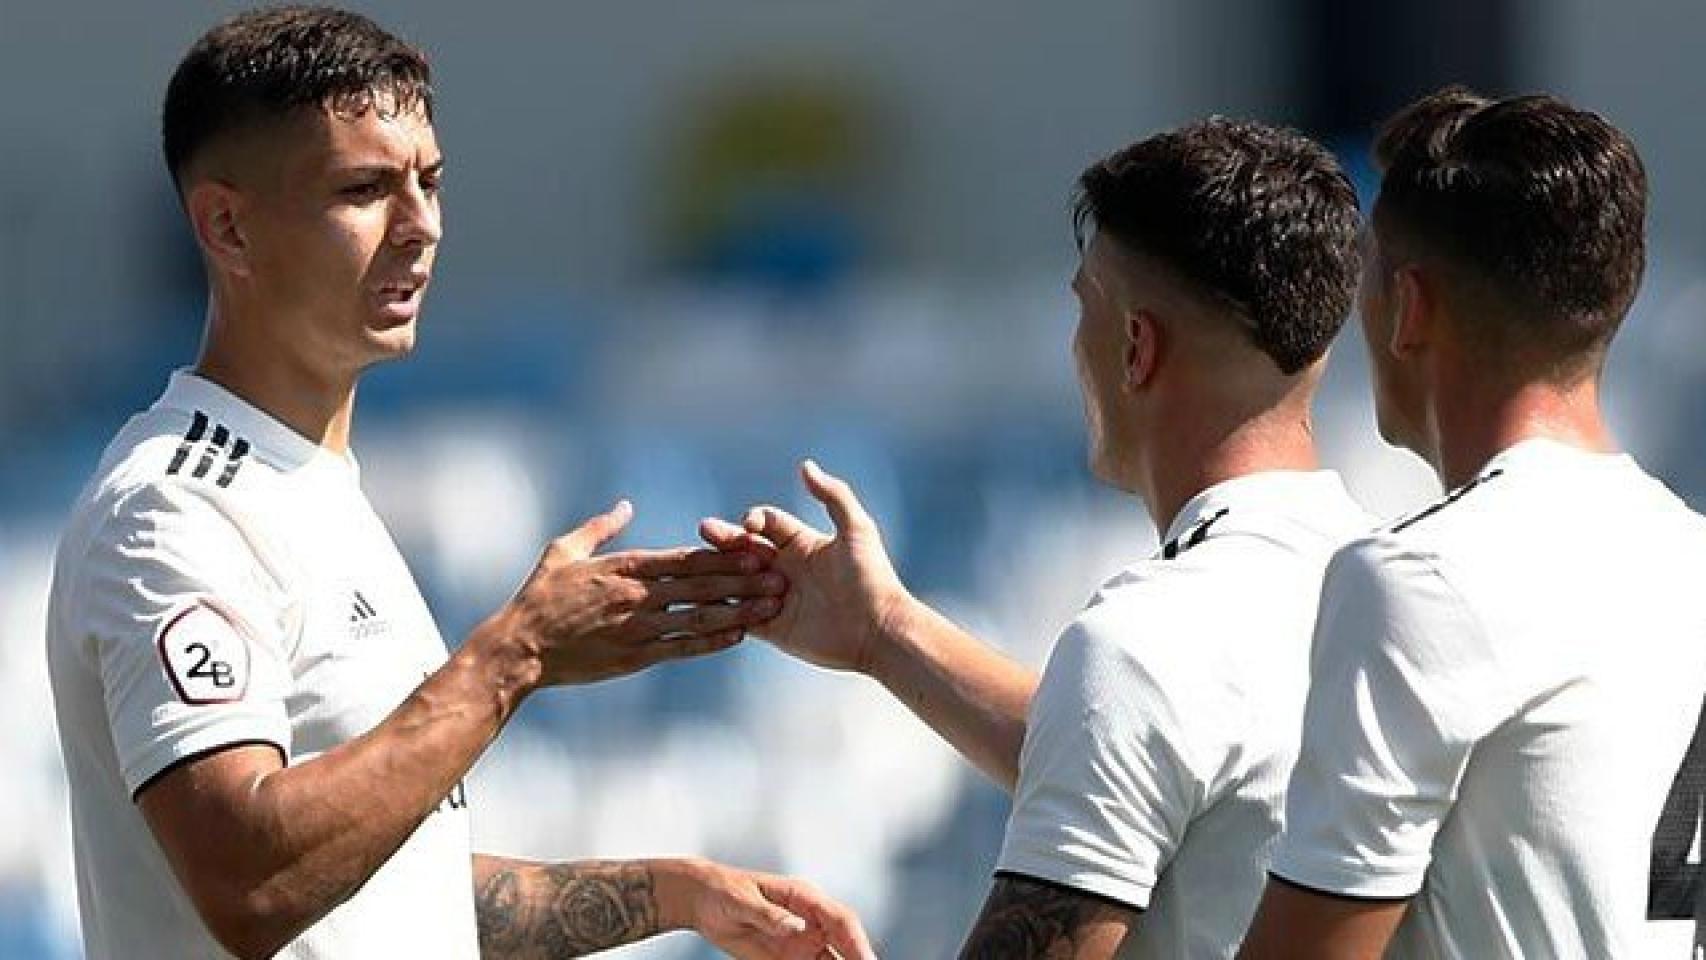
column 431, row 183
column 362, row 192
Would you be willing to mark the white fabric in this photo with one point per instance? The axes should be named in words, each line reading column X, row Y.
column 1503, row 689
column 1158, row 744
column 234, row 588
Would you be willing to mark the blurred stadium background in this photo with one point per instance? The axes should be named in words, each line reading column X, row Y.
column 689, row 243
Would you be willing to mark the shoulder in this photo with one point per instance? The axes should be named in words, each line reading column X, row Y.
column 169, row 449
column 165, row 493
column 1462, row 508
column 1388, row 598
column 1139, row 641
column 1148, row 599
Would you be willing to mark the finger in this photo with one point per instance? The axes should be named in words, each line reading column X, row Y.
column 728, row 537
column 845, row 935
column 771, row 919
column 714, row 589
column 835, row 494
column 777, row 526
column 683, row 562
column 841, row 928
column 686, row 647
column 672, row 625
column 580, row 542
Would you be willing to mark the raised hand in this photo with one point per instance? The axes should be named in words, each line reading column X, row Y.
column 847, row 610
column 842, row 590
column 590, row 618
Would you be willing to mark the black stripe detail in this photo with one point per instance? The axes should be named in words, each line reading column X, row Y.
column 238, row 452
column 214, row 447
column 1675, row 887
column 283, row 758
column 1067, row 888
column 1191, row 537
column 365, row 607
column 1450, row 499
column 1333, row 894
column 197, row 428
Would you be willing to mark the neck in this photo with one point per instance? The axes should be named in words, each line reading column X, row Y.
column 1280, row 439
column 273, row 380
column 1472, row 427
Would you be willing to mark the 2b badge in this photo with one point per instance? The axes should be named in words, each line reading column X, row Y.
column 206, row 655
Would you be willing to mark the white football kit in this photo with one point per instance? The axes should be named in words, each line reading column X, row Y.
column 224, row 581
column 1504, row 687
column 1159, row 742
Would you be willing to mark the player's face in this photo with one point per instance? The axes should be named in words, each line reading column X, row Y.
column 1098, row 347
column 1394, row 399
column 343, row 237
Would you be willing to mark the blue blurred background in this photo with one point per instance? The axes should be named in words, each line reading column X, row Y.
column 689, row 243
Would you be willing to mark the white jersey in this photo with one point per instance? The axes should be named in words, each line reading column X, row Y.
column 224, row 581
column 1160, row 739
column 1504, row 687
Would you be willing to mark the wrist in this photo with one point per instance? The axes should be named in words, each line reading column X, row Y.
column 509, row 667
column 893, row 631
column 675, row 888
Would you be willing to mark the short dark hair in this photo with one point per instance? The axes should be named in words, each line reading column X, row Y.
column 261, row 66
column 1543, row 201
column 1261, row 219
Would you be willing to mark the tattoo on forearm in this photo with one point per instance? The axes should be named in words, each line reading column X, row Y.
column 1027, row 920
column 556, row 910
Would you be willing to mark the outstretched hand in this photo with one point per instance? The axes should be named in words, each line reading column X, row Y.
column 760, row 916
column 842, row 589
column 592, row 617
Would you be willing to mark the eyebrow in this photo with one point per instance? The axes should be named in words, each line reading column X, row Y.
column 386, row 169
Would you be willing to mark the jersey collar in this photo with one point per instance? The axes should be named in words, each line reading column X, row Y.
column 1544, row 453
column 188, row 392
column 1266, row 490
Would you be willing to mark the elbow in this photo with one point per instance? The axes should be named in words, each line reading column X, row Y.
column 254, row 925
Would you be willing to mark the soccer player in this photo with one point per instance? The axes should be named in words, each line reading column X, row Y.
column 237, row 649
column 1218, row 261
column 1505, row 683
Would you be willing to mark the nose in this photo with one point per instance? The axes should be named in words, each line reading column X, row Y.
column 416, row 220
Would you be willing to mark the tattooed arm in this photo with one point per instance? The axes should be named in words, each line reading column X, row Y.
column 545, row 911
column 529, row 910
column 1026, row 919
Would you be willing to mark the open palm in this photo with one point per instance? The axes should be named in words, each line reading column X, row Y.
column 841, row 589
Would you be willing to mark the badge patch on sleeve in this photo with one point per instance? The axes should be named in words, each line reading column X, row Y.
column 206, row 655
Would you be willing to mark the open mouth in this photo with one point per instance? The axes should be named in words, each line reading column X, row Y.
column 402, row 294
column 401, row 290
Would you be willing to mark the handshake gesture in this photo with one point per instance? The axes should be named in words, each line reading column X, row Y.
column 834, row 601
column 582, row 618
column 844, row 600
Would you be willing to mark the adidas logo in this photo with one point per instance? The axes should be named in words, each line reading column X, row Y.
column 219, row 447
column 364, row 619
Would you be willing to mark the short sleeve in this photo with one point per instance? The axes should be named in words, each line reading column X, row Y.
column 1105, row 791
column 1402, row 685
column 186, row 628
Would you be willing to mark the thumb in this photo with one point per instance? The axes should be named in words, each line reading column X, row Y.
column 580, row 542
column 836, row 495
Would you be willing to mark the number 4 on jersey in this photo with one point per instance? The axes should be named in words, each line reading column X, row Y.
column 1676, row 880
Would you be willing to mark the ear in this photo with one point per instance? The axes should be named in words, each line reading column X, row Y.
column 216, row 215
column 1142, row 348
column 1413, row 309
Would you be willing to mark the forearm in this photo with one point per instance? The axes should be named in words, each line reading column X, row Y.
column 972, row 695
column 532, row 910
column 299, row 840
